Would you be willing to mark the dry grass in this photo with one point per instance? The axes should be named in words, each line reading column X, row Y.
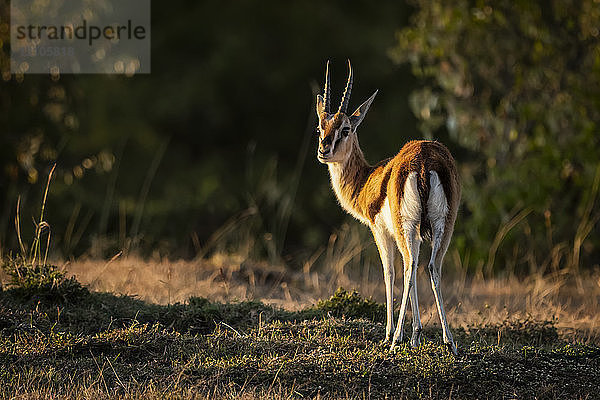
column 572, row 302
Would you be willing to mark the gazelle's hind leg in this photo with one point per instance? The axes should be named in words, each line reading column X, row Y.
column 437, row 207
column 410, row 257
column 417, row 328
column 408, row 241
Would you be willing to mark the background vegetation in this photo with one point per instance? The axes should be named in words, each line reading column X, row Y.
column 215, row 148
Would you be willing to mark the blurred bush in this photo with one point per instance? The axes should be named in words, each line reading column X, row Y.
column 515, row 85
column 224, row 126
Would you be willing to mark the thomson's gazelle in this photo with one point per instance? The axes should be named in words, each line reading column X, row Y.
column 404, row 199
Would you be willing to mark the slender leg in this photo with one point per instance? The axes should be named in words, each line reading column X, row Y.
column 385, row 245
column 410, row 257
column 435, row 268
column 442, row 222
column 415, row 339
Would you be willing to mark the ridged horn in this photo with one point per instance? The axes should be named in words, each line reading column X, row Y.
column 347, row 91
column 327, row 89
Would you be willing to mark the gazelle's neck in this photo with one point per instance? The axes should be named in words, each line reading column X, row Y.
column 348, row 178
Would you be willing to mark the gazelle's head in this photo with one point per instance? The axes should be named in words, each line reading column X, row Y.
column 337, row 131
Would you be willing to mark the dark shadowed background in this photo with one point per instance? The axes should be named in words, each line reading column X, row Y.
column 215, row 148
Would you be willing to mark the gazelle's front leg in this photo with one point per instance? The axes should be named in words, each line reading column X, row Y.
column 386, row 246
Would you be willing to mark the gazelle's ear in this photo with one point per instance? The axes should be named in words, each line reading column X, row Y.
column 320, row 105
column 359, row 114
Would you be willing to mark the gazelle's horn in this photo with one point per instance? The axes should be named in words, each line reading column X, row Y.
column 347, row 91
column 327, row 89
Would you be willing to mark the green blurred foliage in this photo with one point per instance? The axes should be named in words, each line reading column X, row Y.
column 218, row 139
column 515, row 86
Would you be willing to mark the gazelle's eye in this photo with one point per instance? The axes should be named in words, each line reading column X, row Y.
column 345, row 131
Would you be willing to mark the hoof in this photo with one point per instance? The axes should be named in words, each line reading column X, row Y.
column 395, row 340
column 415, row 340
column 452, row 348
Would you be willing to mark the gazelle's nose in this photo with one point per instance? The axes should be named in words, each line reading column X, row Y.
column 326, row 141
column 325, row 144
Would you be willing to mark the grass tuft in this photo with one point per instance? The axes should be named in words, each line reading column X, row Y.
column 350, row 305
column 41, row 282
column 31, row 277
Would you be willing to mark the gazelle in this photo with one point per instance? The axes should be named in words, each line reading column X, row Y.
column 403, row 199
